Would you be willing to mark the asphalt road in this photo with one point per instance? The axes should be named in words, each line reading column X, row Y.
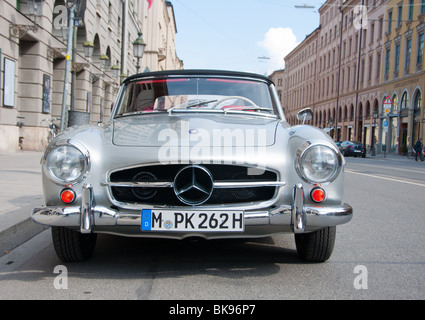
column 378, row 255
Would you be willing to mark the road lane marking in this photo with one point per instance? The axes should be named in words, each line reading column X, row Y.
column 391, row 168
column 386, row 178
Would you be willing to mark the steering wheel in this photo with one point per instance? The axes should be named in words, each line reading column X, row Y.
column 235, row 97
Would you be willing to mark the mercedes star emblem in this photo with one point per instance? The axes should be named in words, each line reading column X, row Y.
column 193, row 185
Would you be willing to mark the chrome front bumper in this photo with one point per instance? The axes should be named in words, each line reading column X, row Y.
column 299, row 217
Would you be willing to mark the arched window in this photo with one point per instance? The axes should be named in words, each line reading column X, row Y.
column 418, row 100
column 368, row 114
column 404, row 101
column 394, row 106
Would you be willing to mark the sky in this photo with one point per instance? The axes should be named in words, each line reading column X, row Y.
column 241, row 35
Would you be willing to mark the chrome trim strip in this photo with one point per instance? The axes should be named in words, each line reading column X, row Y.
column 139, row 184
column 318, row 217
column 218, row 184
column 253, row 184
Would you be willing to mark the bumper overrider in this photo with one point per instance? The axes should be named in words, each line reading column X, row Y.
column 296, row 217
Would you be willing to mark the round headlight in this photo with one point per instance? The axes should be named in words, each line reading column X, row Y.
column 66, row 164
column 318, row 164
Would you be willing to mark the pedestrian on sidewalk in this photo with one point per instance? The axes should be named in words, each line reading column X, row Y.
column 418, row 148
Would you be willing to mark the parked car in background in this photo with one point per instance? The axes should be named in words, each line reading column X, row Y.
column 194, row 153
column 356, row 149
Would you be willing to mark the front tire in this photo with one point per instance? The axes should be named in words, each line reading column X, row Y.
column 316, row 246
column 73, row 246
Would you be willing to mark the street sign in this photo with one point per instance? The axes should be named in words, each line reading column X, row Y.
column 388, row 100
column 387, row 105
column 386, row 125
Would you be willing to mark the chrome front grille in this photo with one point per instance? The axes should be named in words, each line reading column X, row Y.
column 176, row 185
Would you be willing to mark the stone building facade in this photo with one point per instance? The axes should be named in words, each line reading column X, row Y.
column 403, row 75
column 33, row 60
column 337, row 70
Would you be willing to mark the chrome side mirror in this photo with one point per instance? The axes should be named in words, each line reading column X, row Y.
column 305, row 115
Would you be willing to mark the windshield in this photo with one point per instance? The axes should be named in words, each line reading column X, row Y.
column 199, row 94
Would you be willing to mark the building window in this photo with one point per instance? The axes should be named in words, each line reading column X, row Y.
column 364, row 38
column 423, row 7
column 396, row 57
column 390, row 18
column 350, row 41
column 399, row 15
column 348, row 77
column 369, row 78
column 420, row 54
column 110, row 14
column 408, row 53
column 387, row 62
column 357, row 43
column 411, row 4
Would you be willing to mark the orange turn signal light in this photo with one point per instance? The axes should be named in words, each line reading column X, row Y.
column 318, row 195
column 67, row 196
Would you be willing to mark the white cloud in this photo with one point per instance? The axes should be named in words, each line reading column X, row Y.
column 278, row 42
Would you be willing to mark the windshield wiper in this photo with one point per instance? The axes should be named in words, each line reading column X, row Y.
column 248, row 109
column 137, row 113
column 190, row 105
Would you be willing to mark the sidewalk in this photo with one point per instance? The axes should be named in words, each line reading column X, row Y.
column 20, row 192
column 382, row 155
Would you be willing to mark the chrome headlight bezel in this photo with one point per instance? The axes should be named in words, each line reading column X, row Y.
column 80, row 151
column 333, row 158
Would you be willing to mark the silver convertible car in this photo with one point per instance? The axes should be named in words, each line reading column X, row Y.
column 194, row 153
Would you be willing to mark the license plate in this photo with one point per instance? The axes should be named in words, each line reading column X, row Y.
column 357, row 151
column 199, row 221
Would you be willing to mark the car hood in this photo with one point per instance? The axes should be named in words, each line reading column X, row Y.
column 207, row 130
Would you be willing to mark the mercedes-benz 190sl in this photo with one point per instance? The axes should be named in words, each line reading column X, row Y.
column 194, row 153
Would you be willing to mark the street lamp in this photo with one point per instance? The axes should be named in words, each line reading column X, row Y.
column 115, row 71
column 105, row 61
column 88, row 49
column 35, row 7
column 138, row 50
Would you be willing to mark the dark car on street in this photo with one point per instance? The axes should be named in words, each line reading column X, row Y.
column 350, row 148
